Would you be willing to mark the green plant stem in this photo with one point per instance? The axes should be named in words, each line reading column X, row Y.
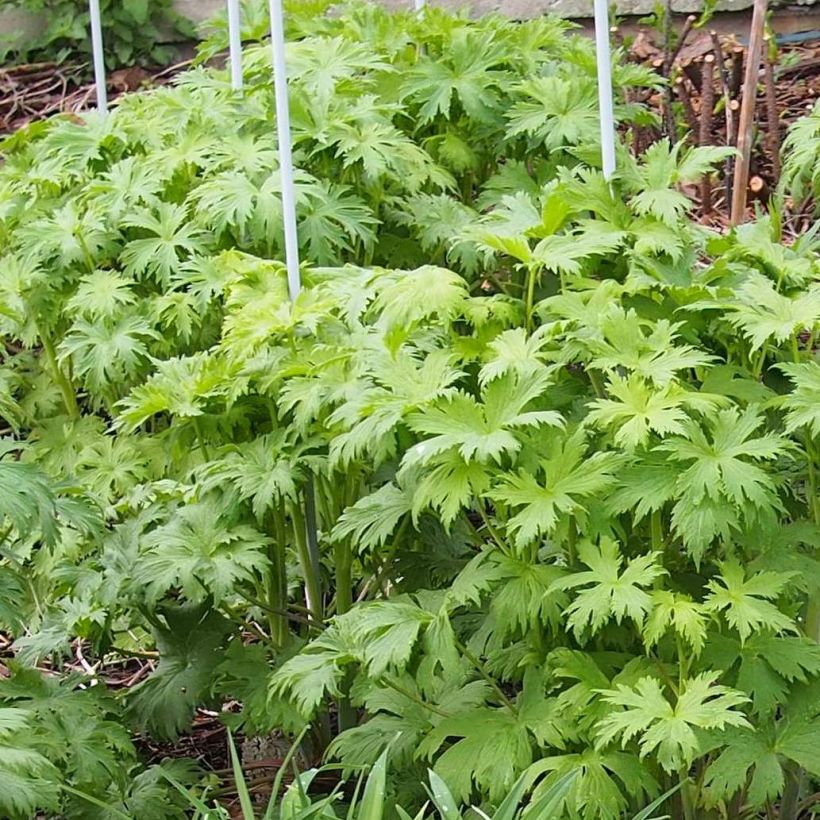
column 415, row 698
column 811, row 490
column 200, row 439
column 656, row 525
column 795, row 349
column 490, row 529
column 532, row 275
column 761, row 359
column 277, row 583
column 310, row 567
column 790, row 802
column 61, row 380
column 595, row 381
column 687, row 797
column 343, row 556
column 480, row 668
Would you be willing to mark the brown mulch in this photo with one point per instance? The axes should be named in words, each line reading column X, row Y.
column 38, row 90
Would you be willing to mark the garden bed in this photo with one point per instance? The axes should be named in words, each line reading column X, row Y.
column 514, row 507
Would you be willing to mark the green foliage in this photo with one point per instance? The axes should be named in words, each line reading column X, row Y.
column 558, row 441
column 132, row 31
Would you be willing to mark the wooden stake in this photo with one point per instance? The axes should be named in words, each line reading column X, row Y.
column 736, row 77
column 747, row 112
column 707, row 107
column 684, row 96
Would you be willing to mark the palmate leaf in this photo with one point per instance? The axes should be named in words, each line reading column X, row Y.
column 106, row 352
column 661, row 169
column 398, row 303
column 646, row 348
column 266, row 471
column 493, row 747
column 333, row 221
column 671, row 610
column 722, row 482
column 380, row 150
column 565, row 253
column 401, row 720
column 173, row 238
column 27, row 499
column 529, row 596
column 556, row 111
column 663, row 729
column 466, row 72
column 127, row 183
column 637, row 409
column 609, row 592
column 189, row 648
column 181, row 387
column 101, row 294
column 201, row 553
column 745, row 603
column 565, row 481
column 802, row 405
column 448, row 485
column 761, row 313
column 322, row 66
column 388, row 632
column 604, row 782
column 373, row 518
column 767, row 667
column 30, row 782
column 517, row 352
column 316, row 673
column 753, row 760
column 481, row 431
column 398, row 383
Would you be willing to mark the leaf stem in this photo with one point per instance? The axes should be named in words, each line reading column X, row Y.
column 310, row 567
column 62, row 382
column 415, row 698
column 529, row 307
column 481, row 669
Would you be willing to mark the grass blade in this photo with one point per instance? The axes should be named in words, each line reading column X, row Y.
column 245, row 801
column 372, row 806
column 656, row 804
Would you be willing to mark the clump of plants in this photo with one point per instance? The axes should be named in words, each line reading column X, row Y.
column 133, row 31
column 521, row 489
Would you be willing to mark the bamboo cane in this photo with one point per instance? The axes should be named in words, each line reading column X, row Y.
column 747, row 112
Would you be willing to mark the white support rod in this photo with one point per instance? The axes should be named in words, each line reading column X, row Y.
column 420, row 4
column 99, row 55
column 235, row 42
column 280, row 81
column 605, row 88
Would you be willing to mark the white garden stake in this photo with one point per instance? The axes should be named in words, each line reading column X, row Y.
column 235, row 42
column 605, row 88
column 280, row 83
column 99, row 56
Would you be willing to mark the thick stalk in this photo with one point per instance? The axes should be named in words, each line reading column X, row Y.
column 310, row 567
column 278, row 584
column 343, row 556
column 790, row 803
column 531, row 277
column 60, row 379
column 687, row 797
column 200, row 438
